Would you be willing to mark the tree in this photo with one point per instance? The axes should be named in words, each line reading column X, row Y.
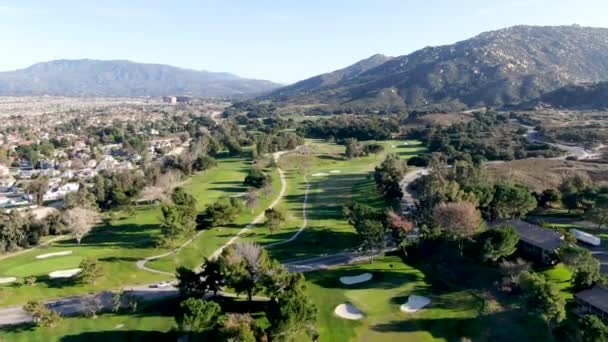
column 37, row 188
column 190, row 283
column 549, row 197
column 213, row 278
column 512, row 201
column 388, row 176
column 592, row 329
column 292, row 314
column 401, row 228
column 599, row 211
column 80, row 221
column 460, row 220
column 244, row 265
column 220, row 213
column 238, row 327
column 274, row 219
column 197, row 315
column 179, row 217
column 82, row 198
column 585, row 267
column 353, row 148
column 372, row 236
column 256, row 178
column 90, row 270
column 91, row 306
column 543, row 297
column 42, row 315
column 498, row 242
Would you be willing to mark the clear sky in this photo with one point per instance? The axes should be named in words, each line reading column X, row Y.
column 280, row 40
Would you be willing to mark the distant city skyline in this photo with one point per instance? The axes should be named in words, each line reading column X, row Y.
column 278, row 41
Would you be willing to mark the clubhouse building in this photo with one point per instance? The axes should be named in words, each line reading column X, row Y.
column 593, row 301
column 535, row 242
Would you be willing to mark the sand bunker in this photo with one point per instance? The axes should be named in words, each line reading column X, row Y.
column 319, row 174
column 348, row 311
column 361, row 278
column 50, row 255
column 335, row 171
column 64, row 273
column 415, row 303
column 7, row 280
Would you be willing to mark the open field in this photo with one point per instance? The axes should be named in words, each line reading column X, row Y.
column 151, row 323
column 327, row 230
column 451, row 315
column 128, row 239
column 540, row 174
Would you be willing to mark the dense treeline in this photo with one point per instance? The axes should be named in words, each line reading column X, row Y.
column 488, row 137
column 349, row 126
column 283, row 141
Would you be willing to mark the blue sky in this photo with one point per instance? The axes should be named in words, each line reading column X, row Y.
column 283, row 41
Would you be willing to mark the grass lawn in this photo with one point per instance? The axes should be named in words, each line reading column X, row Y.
column 561, row 276
column 450, row 316
column 149, row 324
column 327, row 230
column 128, row 239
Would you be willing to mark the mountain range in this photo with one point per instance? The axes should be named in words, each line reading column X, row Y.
column 124, row 78
column 578, row 96
column 507, row 66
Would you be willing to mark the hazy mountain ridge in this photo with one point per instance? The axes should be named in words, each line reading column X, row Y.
column 507, row 66
column 580, row 96
column 124, row 78
column 331, row 78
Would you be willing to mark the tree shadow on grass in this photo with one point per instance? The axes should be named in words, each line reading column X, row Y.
column 312, row 242
column 382, row 279
column 509, row 325
column 121, row 335
column 124, row 236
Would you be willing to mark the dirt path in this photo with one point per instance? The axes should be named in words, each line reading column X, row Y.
column 141, row 264
column 261, row 216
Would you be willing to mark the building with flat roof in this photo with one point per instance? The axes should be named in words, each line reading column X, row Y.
column 593, row 301
column 536, row 242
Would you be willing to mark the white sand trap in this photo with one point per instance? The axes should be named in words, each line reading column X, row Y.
column 64, row 273
column 348, row 311
column 361, row 278
column 335, row 171
column 119, row 326
column 7, row 280
column 319, row 174
column 50, row 255
column 415, row 303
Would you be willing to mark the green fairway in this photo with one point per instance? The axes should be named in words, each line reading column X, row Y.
column 451, row 315
column 150, row 324
column 128, row 239
column 333, row 180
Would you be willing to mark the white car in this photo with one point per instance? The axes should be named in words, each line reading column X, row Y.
column 161, row 285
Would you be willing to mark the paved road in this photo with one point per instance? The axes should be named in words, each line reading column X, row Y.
column 576, row 151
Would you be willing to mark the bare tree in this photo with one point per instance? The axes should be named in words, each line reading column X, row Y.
column 459, row 219
column 168, row 181
column 80, row 221
column 153, row 193
column 91, row 305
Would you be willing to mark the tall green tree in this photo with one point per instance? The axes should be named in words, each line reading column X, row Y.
column 197, row 315
column 498, row 242
column 388, row 176
column 274, row 219
column 543, row 297
column 512, row 200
